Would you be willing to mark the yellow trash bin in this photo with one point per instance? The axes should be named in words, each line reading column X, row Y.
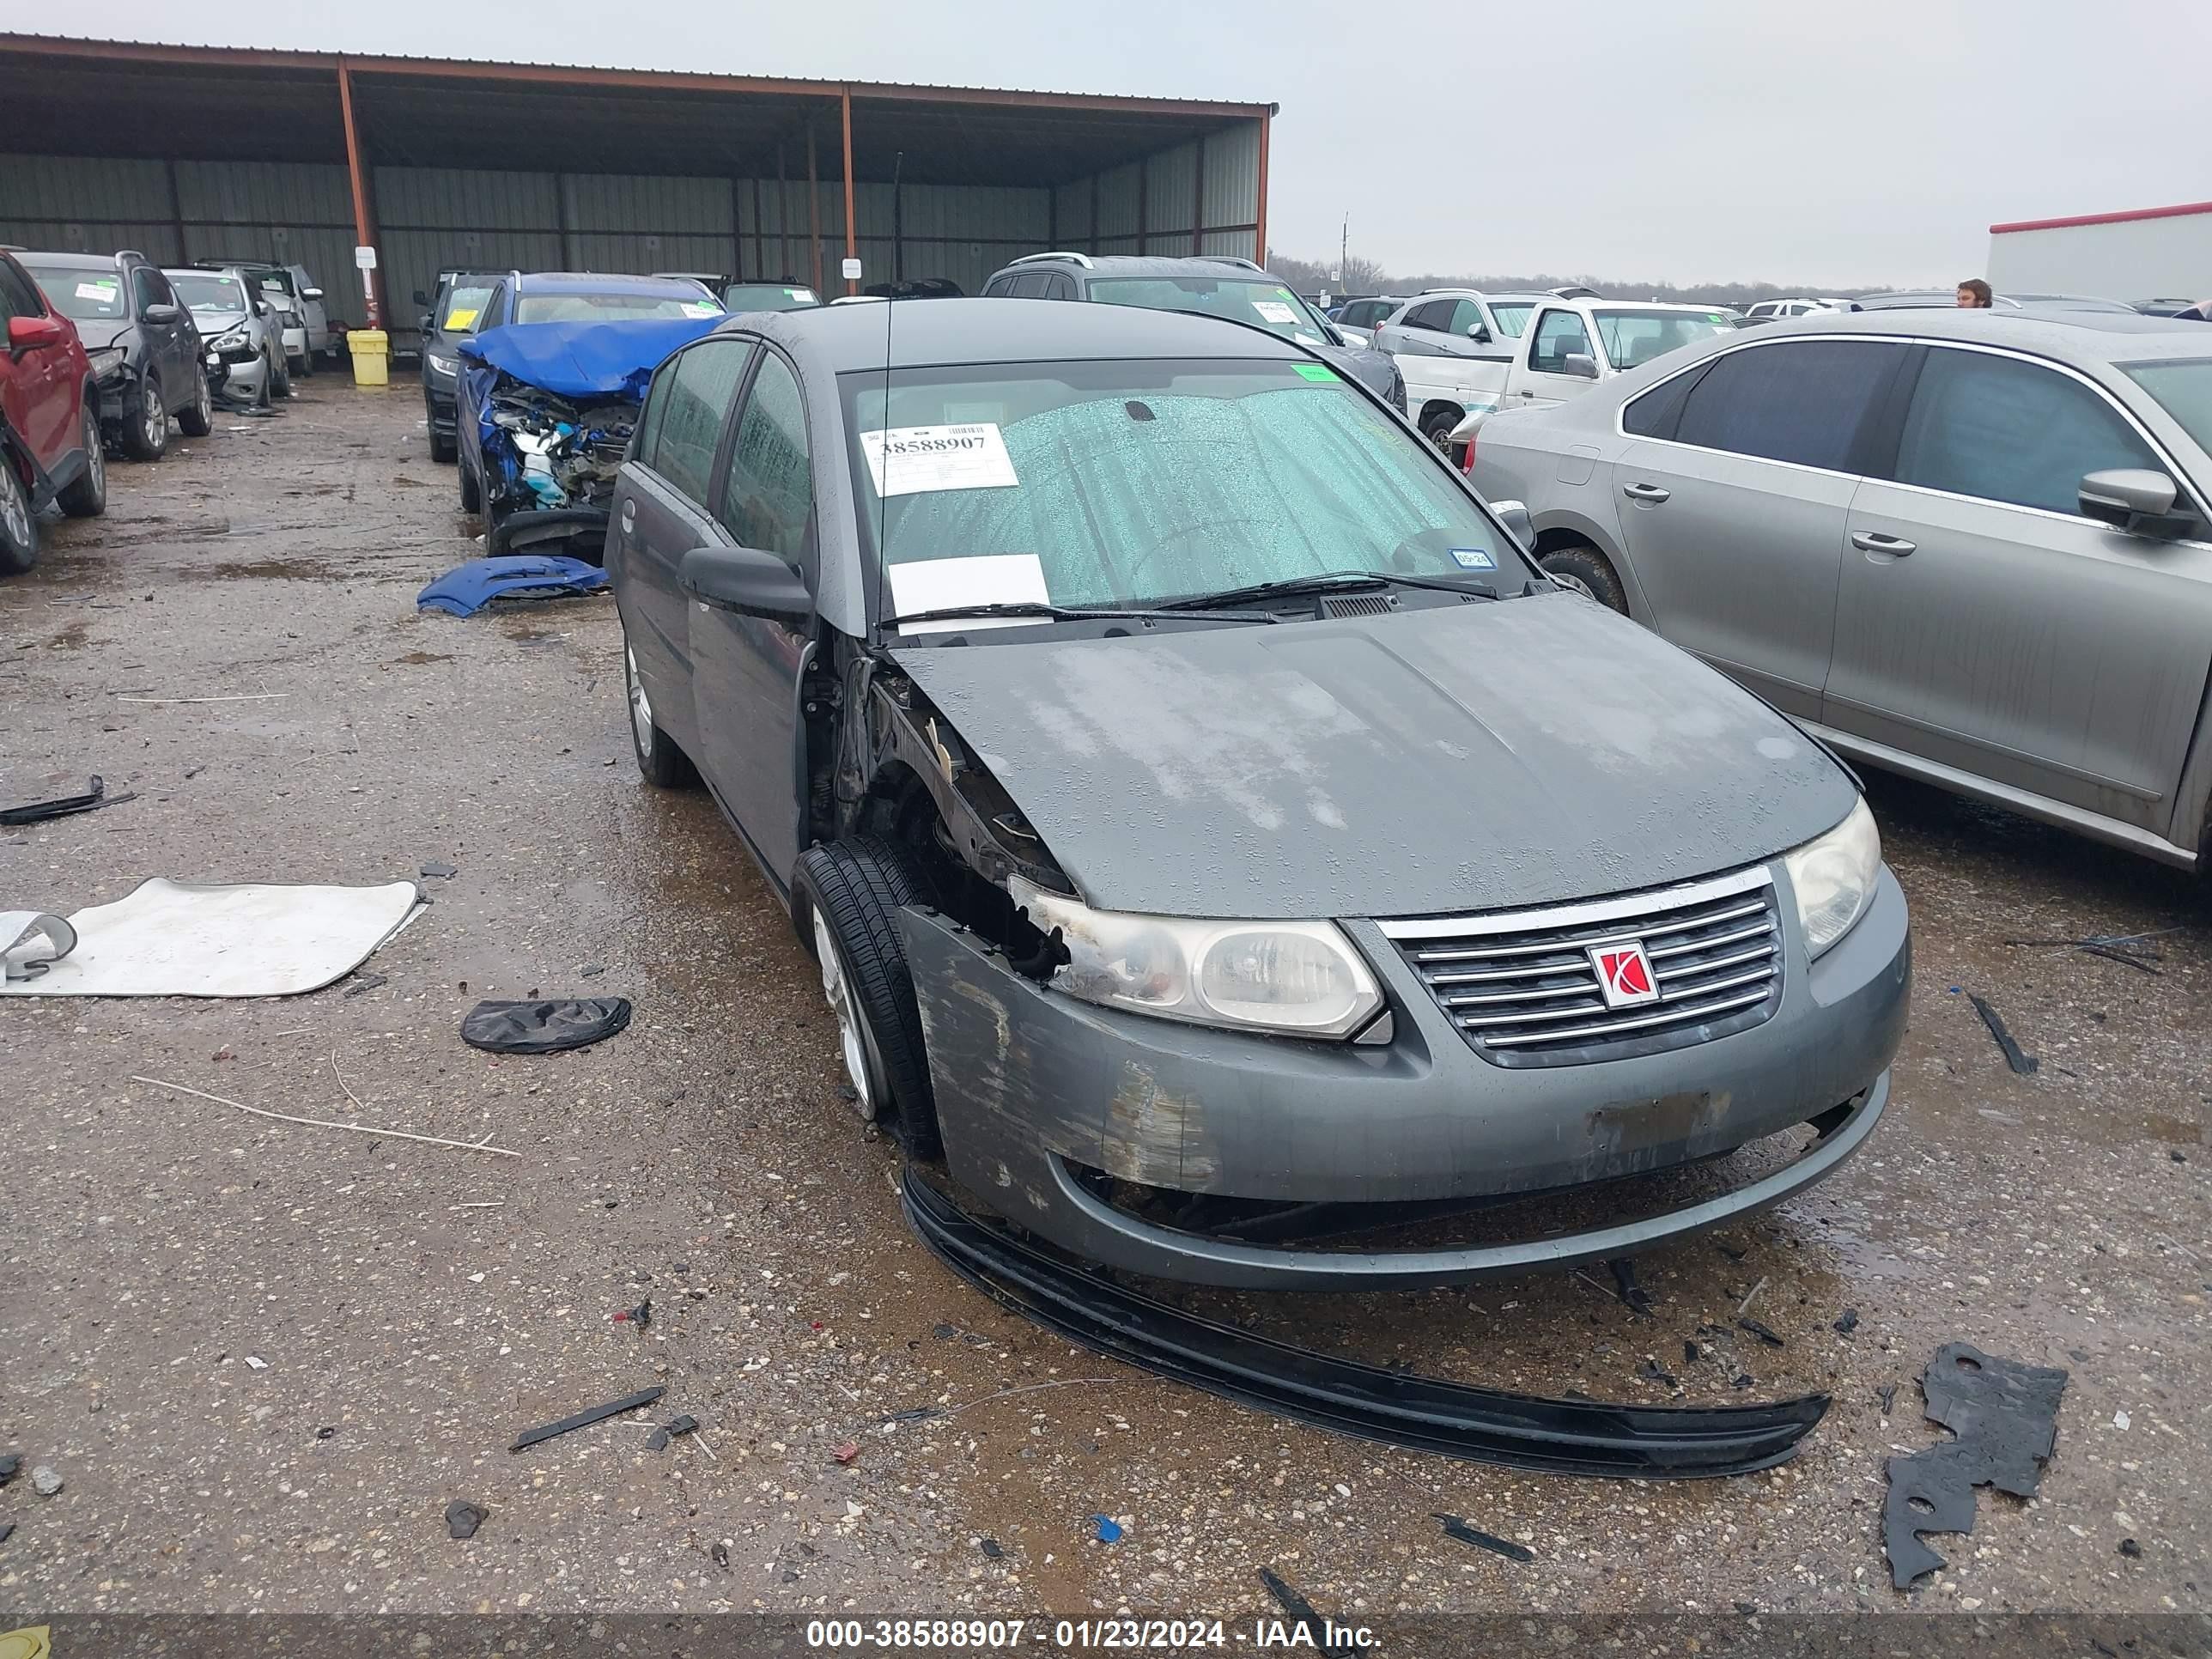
column 371, row 355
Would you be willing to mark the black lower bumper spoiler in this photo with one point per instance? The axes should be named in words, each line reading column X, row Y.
column 1420, row 1413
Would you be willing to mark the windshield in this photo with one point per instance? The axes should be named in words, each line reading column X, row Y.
column 767, row 297
column 1244, row 300
column 1134, row 483
column 84, row 294
column 208, row 293
column 2184, row 389
column 463, row 303
column 1633, row 338
column 1512, row 316
column 609, row 307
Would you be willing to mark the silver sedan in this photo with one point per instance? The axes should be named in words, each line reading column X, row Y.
column 1970, row 546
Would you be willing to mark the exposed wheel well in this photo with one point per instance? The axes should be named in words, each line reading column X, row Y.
column 1550, row 541
column 1436, row 406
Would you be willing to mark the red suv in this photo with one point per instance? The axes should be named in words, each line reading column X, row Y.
column 49, row 420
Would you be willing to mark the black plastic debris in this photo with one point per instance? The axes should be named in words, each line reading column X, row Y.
column 324, row 1432
column 1887, row 1393
column 9, row 1467
column 1624, row 1282
column 629, row 1402
column 435, row 871
column 544, row 1027
column 363, row 983
column 1423, row 1414
column 2022, row 1063
column 38, row 811
column 993, row 1550
column 463, row 1518
column 1459, row 1531
column 1305, row 1620
column 641, row 1315
column 7, row 1530
column 1765, row 1332
column 1650, row 1372
column 2132, row 1549
column 2004, row 1416
column 656, row 1441
column 1848, row 1321
column 2129, row 949
column 682, row 1424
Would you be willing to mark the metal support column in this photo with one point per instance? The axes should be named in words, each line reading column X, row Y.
column 851, row 241
column 364, row 221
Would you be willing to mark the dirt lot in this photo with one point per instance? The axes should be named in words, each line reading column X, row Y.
column 411, row 1307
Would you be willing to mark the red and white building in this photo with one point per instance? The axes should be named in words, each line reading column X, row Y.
column 2163, row 253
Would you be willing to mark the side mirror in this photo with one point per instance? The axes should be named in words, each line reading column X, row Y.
column 158, row 312
column 421, row 298
column 1479, row 333
column 34, row 333
column 1514, row 515
column 426, row 324
column 746, row 579
column 311, row 293
column 1580, row 364
column 2132, row 499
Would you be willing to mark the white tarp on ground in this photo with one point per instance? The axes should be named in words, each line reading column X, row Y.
column 175, row 938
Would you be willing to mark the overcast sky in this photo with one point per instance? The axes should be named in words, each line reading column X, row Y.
column 1832, row 144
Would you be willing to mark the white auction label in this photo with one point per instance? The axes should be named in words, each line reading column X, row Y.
column 1274, row 310
column 909, row 460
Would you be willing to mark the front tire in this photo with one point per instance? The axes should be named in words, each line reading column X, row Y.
column 660, row 761
column 304, row 365
column 280, row 374
column 19, row 528
column 197, row 419
column 471, row 492
column 146, row 430
column 1588, row 572
column 1438, row 429
column 846, row 900
column 86, row 496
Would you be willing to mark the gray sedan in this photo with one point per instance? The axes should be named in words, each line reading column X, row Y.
column 1970, row 546
column 1162, row 754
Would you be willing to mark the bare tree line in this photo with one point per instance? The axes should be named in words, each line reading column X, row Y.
column 1367, row 277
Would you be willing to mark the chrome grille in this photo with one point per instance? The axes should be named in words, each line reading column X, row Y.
column 1522, row 989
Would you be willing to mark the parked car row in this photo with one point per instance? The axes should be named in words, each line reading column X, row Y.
column 104, row 350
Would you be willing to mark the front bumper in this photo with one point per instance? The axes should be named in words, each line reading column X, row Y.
column 119, row 396
column 1034, row 1088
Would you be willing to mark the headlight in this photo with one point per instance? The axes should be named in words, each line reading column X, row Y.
column 233, row 341
column 441, row 365
column 108, row 361
column 1833, row 877
column 1299, row 978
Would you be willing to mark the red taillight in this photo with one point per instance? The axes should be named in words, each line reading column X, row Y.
column 1468, row 466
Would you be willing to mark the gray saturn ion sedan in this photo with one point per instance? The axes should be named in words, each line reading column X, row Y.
column 1970, row 546
column 1213, row 831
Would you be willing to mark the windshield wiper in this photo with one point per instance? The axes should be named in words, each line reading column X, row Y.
column 1060, row 613
column 1331, row 582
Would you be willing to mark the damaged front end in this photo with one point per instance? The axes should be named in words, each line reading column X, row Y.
column 549, row 468
column 554, row 406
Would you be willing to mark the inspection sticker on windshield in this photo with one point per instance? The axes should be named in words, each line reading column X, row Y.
column 460, row 317
column 701, row 308
column 101, row 291
column 1473, row 558
column 1274, row 310
column 911, row 461
column 1317, row 373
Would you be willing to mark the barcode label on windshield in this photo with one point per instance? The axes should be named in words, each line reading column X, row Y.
column 909, row 460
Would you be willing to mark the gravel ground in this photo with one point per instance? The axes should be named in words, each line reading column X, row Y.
column 265, row 1358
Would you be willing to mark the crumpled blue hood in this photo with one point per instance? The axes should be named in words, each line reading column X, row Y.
column 587, row 360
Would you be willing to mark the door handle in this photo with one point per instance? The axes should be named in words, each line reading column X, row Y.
column 1645, row 492
column 1873, row 541
column 629, row 517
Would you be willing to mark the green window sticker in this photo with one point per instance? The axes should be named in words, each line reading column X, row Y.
column 1313, row 372
column 1717, row 316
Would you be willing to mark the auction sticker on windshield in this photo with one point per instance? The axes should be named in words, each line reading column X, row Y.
column 100, row 291
column 910, row 460
column 926, row 585
column 460, row 317
column 1274, row 310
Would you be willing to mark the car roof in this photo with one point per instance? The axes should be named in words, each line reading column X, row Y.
column 586, row 281
column 2098, row 336
column 1147, row 264
column 1482, row 293
column 990, row 331
column 90, row 261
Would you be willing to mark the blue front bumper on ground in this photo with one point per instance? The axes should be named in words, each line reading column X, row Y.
column 1034, row 1089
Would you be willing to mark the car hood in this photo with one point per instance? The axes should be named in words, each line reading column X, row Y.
column 1465, row 757
column 97, row 337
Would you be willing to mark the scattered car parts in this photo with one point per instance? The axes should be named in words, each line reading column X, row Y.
column 1419, row 1413
column 2004, row 1418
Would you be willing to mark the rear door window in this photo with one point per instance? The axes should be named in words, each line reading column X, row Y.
column 1806, row 401
column 1436, row 316
column 2005, row 430
column 696, row 403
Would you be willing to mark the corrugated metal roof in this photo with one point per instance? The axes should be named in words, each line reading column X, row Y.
column 404, row 62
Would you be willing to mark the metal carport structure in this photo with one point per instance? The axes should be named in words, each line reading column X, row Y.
column 199, row 152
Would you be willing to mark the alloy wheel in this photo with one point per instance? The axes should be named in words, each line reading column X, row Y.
column 152, row 418
column 14, row 508
column 850, row 1042
column 1568, row 580
column 95, row 452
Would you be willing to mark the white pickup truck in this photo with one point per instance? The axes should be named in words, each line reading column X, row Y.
column 1563, row 347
